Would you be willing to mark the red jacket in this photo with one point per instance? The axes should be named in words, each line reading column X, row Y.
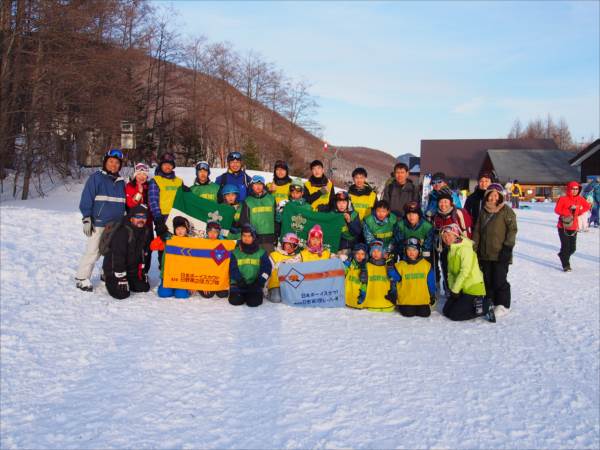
column 131, row 190
column 459, row 216
column 564, row 204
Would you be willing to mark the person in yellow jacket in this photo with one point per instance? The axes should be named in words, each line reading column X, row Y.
column 285, row 253
column 362, row 194
column 516, row 192
column 318, row 190
column 356, row 274
column 466, row 297
column 374, row 296
column 416, row 293
column 161, row 192
column 315, row 251
column 279, row 188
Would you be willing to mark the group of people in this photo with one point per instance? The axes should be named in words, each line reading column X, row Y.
column 399, row 254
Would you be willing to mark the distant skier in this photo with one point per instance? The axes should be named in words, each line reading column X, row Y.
column 569, row 207
column 517, row 192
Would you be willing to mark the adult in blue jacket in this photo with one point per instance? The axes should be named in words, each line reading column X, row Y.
column 102, row 201
column 235, row 175
column 438, row 182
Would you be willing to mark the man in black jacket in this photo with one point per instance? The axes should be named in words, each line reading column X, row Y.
column 123, row 265
column 400, row 190
column 475, row 201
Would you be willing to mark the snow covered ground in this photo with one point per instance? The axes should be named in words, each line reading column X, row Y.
column 80, row 370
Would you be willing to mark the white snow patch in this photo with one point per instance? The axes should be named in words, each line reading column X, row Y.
column 81, row 370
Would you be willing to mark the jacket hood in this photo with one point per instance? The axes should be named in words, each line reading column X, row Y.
column 571, row 185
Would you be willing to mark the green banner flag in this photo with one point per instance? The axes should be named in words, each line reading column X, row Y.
column 296, row 219
column 200, row 211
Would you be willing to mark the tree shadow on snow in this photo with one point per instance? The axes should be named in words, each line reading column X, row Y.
column 556, row 248
column 539, row 261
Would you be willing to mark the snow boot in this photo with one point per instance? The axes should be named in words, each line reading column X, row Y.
column 490, row 316
column 84, row 285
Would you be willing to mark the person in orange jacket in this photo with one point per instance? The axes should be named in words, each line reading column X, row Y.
column 569, row 207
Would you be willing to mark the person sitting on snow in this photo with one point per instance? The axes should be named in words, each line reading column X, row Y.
column 356, row 274
column 467, row 297
column 416, row 293
column 181, row 228
column 123, row 265
column 375, row 295
column 285, row 253
column 249, row 270
column 315, row 251
column 102, row 202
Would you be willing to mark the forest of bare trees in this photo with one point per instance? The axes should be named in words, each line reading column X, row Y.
column 548, row 128
column 72, row 71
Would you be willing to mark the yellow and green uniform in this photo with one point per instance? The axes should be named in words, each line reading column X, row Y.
column 281, row 192
column 323, row 199
column 363, row 200
column 261, row 213
column 208, row 191
column 353, row 284
column 414, row 289
column 378, row 286
column 168, row 188
column 383, row 231
column 464, row 274
column 277, row 257
column 248, row 264
column 308, row 256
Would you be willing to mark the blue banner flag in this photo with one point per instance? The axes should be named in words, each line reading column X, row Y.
column 315, row 283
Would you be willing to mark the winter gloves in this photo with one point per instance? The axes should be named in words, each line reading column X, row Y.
column 505, row 254
column 432, row 300
column 122, row 283
column 363, row 277
column 392, row 296
column 361, row 296
column 88, row 227
column 160, row 226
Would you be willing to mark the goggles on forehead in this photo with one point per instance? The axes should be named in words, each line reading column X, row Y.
column 114, row 153
column 140, row 216
column 237, row 156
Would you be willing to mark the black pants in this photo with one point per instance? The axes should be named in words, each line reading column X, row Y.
column 568, row 243
column 134, row 285
column 211, row 294
column 414, row 310
column 463, row 307
column 442, row 259
column 496, row 285
column 250, row 297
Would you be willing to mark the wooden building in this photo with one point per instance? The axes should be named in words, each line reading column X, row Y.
column 589, row 161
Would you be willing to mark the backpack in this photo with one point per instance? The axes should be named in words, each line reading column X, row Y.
column 107, row 236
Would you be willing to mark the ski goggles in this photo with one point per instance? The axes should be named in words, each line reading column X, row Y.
column 140, row 216
column 296, row 188
column 437, row 181
column 202, row 166
column 234, row 156
column 114, row 153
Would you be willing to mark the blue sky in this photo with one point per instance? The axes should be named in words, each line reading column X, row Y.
column 388, row 74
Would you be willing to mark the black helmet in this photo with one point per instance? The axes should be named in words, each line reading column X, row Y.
column 168, row 158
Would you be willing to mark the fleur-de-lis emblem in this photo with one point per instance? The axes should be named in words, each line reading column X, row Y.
column 215, row 216
column 298, row 223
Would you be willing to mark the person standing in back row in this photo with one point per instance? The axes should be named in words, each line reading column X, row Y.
column 318, row 190
column 102, row 202
column 235, row 175
column 400, row 190
column 475, row 201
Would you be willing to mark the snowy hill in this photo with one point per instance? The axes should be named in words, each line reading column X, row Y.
column 81, row 370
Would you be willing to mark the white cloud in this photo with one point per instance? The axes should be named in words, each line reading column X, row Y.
column 470, row 106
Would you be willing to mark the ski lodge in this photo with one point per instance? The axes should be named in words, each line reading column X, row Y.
column 589, row 161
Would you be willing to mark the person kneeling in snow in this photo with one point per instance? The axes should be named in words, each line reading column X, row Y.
column 249, row 270
column 285, row 253
column 181, row 227
column 315, row 251
column 376, row 294
column 467, row 299
column 416, row 294
column 356, row 275
column 123, row 265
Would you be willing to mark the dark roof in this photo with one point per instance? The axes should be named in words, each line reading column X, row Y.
column 585, row 153
column 534, row 166
column 462, row 158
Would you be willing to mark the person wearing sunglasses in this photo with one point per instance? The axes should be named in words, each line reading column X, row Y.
column 124, row 264
column 439, row 183
column 161, row 192
column 102, row 202
column 235, row 175
column 569, row 207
